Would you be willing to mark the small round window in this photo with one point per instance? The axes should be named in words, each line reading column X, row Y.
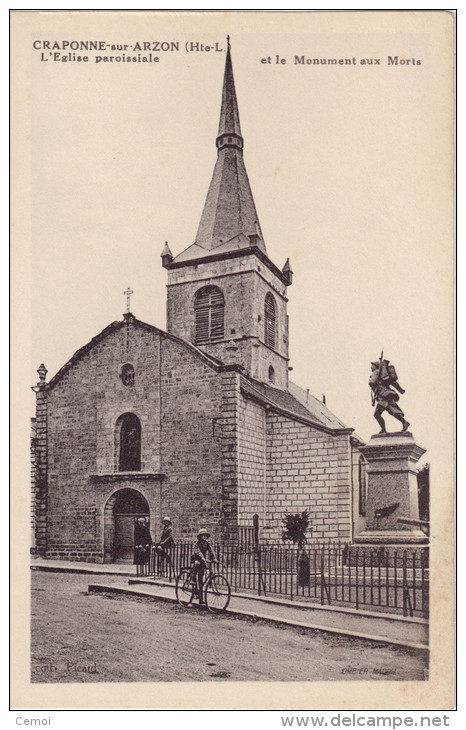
column 127, row 374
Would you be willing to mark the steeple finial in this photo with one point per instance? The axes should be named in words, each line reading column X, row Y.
column 228, row 42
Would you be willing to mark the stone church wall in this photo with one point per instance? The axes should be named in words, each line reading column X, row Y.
column 266, row 356
column 71, row 456
column 251, row 463
column 191, row 448
column 308, row 469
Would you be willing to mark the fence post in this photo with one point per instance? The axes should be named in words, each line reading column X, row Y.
column 290, row 556
column 357, row 579
column 405, row 613
column 387, row 578
column 406, row 596
column 261, row 575
column 257, row 556
column 349, row 575
column 322, row 576
column 425, row 598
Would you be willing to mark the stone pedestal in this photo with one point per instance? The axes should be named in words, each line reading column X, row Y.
column 392, row 479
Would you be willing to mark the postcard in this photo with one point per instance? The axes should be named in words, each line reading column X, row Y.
column 232, row 424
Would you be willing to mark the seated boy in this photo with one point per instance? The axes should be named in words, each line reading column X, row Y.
column 166, row 541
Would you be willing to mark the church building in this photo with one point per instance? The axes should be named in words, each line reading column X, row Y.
column 199, row 422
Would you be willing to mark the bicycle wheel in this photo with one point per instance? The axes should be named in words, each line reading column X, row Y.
column 217, row 593
column 185, row 588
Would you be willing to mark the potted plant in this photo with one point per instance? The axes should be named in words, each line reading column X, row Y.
column 294, row 530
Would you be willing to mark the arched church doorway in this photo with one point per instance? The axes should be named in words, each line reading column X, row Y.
column 121, row 512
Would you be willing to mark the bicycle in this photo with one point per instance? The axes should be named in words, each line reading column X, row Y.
column 215, row 589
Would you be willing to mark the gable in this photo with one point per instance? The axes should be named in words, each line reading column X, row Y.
column 116, row 335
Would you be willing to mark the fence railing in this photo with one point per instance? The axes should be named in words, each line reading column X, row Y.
column 327, row 573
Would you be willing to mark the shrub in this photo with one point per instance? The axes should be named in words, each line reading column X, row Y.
column 295, row 528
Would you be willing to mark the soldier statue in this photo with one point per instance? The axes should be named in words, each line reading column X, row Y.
column 382, row 381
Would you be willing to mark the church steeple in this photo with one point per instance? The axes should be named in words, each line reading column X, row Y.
column 229, row 211
column 224, row 293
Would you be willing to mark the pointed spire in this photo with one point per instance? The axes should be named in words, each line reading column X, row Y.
column 166, row 254
column 229, row 211
column 229, row 125
column 288, row 272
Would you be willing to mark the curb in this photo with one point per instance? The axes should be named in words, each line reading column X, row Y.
column 308, row 606
column 87, row 571
column 95, row 588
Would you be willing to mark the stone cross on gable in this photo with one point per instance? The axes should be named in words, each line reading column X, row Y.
column 128, row 293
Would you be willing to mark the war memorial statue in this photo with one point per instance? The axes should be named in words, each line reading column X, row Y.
column 392, row 502
column 382, row 381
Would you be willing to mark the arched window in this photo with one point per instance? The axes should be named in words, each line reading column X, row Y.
column 127, row 374
column 129, row 447
column 209, row 310
column 270, row 322
column 362, row 486
column 271, row 374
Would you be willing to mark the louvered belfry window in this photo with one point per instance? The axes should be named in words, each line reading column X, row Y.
column 270, row 321
column 209, row 309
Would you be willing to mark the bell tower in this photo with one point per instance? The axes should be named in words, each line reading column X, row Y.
column 224, row 293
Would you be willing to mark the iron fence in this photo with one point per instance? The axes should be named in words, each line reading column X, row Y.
column 327, row 573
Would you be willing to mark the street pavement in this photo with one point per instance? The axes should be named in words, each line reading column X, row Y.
column 79, row 636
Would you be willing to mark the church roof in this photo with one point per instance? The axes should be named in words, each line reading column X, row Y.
column 315, row 413
column 229, row 220
column 195, row 251
column 315, row 406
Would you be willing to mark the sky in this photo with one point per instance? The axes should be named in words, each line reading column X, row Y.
column 350, row 169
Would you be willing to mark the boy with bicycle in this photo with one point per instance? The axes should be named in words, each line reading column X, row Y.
column 202, row 553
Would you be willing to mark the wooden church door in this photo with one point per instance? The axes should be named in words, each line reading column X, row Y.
column 128, row 506
column 124, row 537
